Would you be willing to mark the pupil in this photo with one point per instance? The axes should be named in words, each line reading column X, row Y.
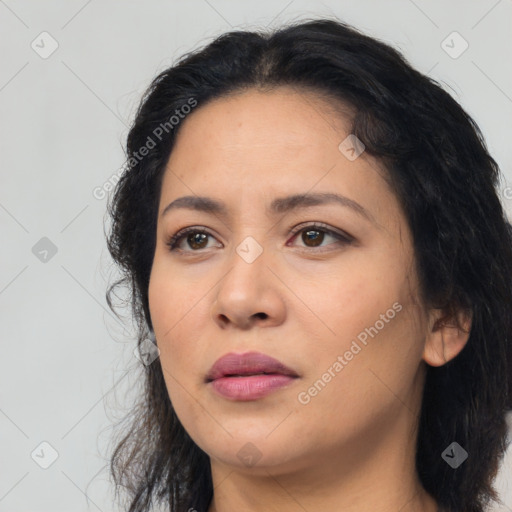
column 312, row 236
column 194, row 239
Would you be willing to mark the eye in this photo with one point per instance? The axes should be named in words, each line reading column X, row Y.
column 313, row 236
column 196, row 237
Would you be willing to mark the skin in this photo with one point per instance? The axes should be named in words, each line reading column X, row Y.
column 352, row 446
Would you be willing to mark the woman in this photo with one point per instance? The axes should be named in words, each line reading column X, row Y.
column 313, row 239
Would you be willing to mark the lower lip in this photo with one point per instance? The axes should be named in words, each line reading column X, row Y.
column 251, row 387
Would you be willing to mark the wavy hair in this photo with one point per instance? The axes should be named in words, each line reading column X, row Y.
column 442, row 174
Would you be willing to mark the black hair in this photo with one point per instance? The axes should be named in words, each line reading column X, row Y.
column 447, row 183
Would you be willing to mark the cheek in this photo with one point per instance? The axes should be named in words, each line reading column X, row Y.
column 371, row 386
column 180, row 359
column 180, row 313
column 170, row 298
column 158, row 293
column 373, row 325
column 351, row 301
column 186, row 407
column 168, row 313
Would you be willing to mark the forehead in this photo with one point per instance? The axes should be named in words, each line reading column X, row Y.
column 258, row 145
column 278, row 131
column 281, row 118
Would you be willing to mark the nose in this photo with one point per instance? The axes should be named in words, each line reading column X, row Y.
column 249, row 294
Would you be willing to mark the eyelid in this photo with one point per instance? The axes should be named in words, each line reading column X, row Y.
column 342, row 236
column 172, row 240
column 312, row 225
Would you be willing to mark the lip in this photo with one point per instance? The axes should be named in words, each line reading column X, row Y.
column 248, row 376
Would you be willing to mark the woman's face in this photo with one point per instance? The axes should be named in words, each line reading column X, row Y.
column 336, row 303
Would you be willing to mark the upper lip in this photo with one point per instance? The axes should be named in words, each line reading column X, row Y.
column 249, row 363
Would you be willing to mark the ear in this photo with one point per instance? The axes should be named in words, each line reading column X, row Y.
column 446, row 337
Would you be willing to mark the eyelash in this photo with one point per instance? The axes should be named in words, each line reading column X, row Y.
column 343, row 239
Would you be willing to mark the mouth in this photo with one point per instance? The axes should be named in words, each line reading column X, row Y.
column 248, row 376
column 246, row 365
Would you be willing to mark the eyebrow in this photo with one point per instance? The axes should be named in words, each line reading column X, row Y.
column 278, row 206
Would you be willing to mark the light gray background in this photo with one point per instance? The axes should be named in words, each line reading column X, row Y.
column 67, row 365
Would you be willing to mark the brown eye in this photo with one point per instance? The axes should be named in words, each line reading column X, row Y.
column 313, row 236
column 196, row 239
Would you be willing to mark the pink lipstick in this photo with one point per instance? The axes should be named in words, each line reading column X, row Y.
column 248, row 376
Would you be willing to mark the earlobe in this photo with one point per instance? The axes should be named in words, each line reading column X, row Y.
column 446, row 338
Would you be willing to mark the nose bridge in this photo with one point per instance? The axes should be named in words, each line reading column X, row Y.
column 247, row 266
column 249, row 236
column 244, row 291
